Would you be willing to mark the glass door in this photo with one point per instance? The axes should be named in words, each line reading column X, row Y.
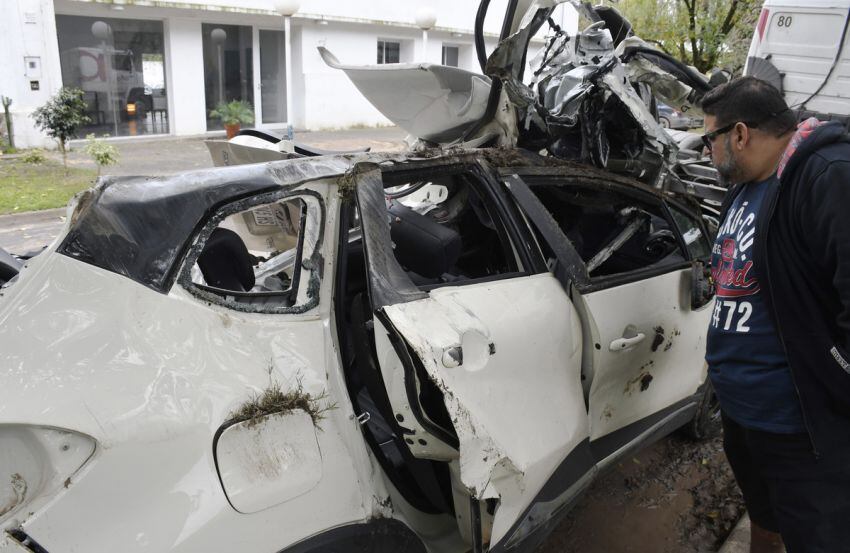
column 273, row 76
column 228, row 68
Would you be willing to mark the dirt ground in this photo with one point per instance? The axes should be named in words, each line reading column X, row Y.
column 676, row 496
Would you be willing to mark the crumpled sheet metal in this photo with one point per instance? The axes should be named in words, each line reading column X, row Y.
column 429, row 101
column 482, row 460
column 139, row 226
column 617, row 82
column 663, row 84
column 229, row 152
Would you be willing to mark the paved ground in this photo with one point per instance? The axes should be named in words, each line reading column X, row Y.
column 24, row 232
column 162, row 156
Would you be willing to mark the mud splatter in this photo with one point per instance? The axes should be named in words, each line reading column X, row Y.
column 641, row 381
column 672, row 339
column 659, row 338
column 19, row 488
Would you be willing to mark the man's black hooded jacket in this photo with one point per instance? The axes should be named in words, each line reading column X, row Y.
column 802, row 249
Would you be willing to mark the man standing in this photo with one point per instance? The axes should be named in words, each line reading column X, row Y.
column 778, row 346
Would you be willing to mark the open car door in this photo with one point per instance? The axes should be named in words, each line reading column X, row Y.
column 503, row 355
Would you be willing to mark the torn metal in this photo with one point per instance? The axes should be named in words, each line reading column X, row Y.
column 138, row 226
column 590, row 97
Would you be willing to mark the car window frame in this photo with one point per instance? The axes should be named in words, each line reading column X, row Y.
column 507, row 217
column 695, row 217
column 538, row 176
column 304, row 262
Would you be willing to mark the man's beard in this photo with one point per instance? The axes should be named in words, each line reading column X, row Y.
column 729, row 169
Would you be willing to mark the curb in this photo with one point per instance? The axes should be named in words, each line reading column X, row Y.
column 739, row 540
column 29, row 217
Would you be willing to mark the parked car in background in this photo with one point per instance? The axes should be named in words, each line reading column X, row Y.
column 670, row 118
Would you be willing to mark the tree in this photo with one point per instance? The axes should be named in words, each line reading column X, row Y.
column 702, row 33
column 102, row 153
column 61, row 116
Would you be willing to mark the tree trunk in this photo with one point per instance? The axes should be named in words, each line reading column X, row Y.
column 64, row 155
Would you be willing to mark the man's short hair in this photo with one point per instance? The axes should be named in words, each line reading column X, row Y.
column 750, row 100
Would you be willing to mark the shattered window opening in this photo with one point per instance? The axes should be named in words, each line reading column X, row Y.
column 614, row 233
column 445, row 231
column 260, row 254
column 695, row 238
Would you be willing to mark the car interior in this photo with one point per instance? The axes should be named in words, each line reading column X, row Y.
column 612, row 232
column 253, row 256
column 443, row 234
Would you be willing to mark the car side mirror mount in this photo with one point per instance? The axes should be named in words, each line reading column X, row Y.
column 702, row 286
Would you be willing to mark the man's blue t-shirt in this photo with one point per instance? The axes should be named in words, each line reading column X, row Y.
column 746, row 360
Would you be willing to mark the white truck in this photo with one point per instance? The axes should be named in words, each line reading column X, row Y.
column 801, row 47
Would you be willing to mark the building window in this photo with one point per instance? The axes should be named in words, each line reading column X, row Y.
column 451, row 54
column 120, row 66
column 388, row 51
column 228, row 67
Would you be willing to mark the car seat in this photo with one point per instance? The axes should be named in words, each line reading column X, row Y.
column 226, row 263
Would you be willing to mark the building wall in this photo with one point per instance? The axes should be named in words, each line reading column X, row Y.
column 28, row 28
column 322, row 97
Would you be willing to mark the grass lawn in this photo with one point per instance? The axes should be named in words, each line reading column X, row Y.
column 31, row 187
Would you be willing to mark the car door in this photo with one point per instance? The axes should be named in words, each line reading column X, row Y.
column 645, row 343
column 503, row 349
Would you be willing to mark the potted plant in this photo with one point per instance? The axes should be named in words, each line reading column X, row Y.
column 233, row 114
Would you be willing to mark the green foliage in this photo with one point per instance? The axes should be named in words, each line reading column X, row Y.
column 62, row 115
column 101, row 152
column 703, row 33
column 236, row 111
column 34, row 156
column 28, row 187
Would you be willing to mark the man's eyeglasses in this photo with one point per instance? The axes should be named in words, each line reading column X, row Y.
column 708, row 138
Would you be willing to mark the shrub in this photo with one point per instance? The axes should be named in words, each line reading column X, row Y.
column 101, row 152
column 231, row 113
column 34, row 156
column 61, row 116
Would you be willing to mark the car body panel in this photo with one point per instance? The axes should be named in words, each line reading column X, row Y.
column 510, row 442
column 154, row 376
column 663, row 361
column 429, row 101
column 151, row 377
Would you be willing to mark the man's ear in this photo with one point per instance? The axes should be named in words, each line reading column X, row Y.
column 741, row 136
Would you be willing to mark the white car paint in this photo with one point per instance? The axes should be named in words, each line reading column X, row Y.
column 519, row 411
column 663, row 368
column 150, row 378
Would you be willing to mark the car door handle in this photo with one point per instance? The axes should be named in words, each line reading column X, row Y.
column 625, row 343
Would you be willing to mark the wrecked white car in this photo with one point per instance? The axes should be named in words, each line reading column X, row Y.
column 429, row 351
column 408, row 354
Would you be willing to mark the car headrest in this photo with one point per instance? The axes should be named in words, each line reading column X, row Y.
column 422, row 245
column 226, row 263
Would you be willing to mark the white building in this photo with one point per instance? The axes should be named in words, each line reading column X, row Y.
column 159, row 66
